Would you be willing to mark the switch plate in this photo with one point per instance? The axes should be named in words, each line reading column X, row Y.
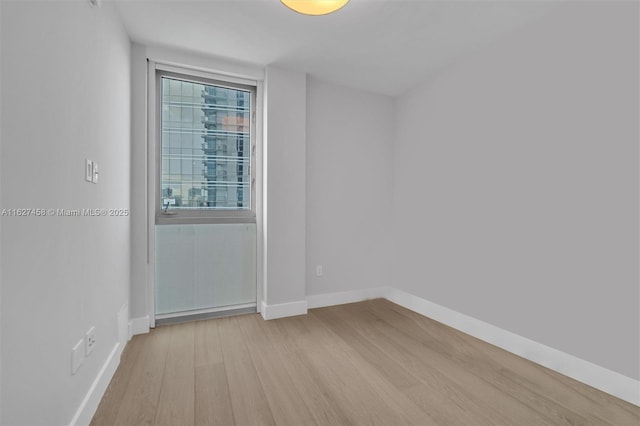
column 319, row 270
column 94, row 176
column 77, row 356
column 88, row 170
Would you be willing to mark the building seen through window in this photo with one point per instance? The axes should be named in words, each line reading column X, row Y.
column 206, row 145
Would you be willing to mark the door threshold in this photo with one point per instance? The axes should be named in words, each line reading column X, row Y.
column 203, row 314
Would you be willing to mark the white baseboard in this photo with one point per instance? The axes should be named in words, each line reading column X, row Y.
column 123, row 325
column 340, row 298
column 139, row 325
column 283, row 310
column 586, row 372
column 90, row 403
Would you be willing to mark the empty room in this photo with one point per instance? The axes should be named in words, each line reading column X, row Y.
column 319, row 212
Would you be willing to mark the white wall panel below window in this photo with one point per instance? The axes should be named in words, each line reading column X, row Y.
column 201, row 267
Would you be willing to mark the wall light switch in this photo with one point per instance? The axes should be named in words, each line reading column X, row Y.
column 88, row 170
column 95, row 172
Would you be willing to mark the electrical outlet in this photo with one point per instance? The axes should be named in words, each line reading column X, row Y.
column 319, row 270
column 77, row 356
column 90, row 341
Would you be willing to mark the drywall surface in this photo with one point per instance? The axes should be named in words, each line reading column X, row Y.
column 65, row 98
column 0, row 216
column 348, row 187
column 516, row 184
column 284, row 180
column 139, row 215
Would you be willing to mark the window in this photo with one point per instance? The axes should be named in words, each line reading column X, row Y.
column 206, row 129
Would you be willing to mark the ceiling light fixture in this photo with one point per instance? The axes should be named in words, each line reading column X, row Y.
column 314, row 7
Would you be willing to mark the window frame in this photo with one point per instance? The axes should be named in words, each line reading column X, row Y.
column 203, row 216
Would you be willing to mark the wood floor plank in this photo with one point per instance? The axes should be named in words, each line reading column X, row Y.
column 392, row 371
column 487, row 370
column 308, row 383
column 107, row 411
column 368, row 363
column 449, row 401
column 208, row 350
column 443, row 402
column 177, row 396
column 373, row 365
column 213, row 401
column 546, row 390
column 250, row 405
column 428, row 365
column 368, row 398
column 286, row 404
column 140, row 401
column 344, row 388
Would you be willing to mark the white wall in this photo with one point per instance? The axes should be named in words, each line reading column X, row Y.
column 349, row 188
column 284, row 180
column 139, row 216
column 65, row 97
column 516, row 185
column 1, row 218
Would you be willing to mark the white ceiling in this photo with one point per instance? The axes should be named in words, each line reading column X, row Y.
column 382, row 46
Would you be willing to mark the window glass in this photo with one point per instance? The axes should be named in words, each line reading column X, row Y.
column 205, row 146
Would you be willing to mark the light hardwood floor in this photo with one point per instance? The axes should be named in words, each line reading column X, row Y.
column 367, row 363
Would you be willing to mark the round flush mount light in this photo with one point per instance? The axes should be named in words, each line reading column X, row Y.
column 314, row 7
